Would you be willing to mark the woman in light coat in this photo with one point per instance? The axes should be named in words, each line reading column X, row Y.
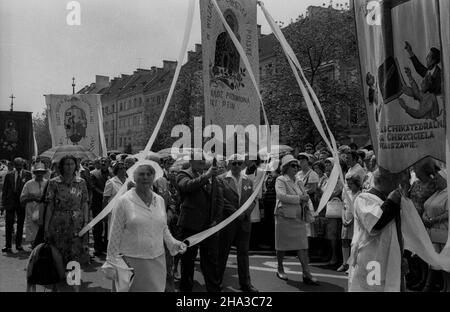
column 292, row 212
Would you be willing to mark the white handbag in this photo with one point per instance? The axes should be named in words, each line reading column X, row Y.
column 334, row 208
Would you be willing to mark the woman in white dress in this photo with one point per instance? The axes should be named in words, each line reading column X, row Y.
column 139, row 231
column 31, row 197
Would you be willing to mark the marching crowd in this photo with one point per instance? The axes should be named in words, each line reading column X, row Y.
column 151, row 221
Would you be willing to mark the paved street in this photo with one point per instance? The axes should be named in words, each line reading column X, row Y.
column 262, row 270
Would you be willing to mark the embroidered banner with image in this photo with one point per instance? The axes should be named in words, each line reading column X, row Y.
column 230, row 96
column 402, row 72
column 16, row 135
column 75, row 120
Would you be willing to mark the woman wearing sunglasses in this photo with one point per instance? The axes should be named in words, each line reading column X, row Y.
column 292, row 212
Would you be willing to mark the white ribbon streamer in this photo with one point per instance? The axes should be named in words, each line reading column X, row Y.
column 181, row 56
column 292, row 59
column 100, row 128
column 197, row 238
column 123, row 189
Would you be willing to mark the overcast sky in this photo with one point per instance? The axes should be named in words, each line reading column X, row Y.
column 39, row 52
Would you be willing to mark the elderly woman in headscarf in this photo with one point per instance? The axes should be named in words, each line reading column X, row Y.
column 139, row 231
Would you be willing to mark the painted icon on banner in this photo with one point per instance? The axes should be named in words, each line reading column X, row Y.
column 75, row 123
column 226, row 68
column 10, row 139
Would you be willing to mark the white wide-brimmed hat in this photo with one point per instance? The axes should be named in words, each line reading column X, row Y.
column 286, row 160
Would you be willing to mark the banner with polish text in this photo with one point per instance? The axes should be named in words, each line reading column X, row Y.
column 230, row 97
column 402, row 73
column 76, row 120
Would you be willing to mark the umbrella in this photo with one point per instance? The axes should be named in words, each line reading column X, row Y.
column 58, row 152
column 275, row 150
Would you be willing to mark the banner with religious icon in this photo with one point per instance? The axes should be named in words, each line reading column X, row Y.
column 75, row 120
column 230, row 97
column 402, row 73
column 16, row 135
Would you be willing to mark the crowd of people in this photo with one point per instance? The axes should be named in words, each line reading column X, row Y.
column 151, row 221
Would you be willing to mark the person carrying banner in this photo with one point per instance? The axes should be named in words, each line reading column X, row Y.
column 376, row 262
column 198, row 214
column 12, row 188
column 237, row 188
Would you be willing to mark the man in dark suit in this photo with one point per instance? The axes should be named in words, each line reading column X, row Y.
column 430, row 71
column 12, row 188
column 236, row 188
column 98, row 181
column 201, row 208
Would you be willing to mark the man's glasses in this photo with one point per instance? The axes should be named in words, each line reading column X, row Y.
column 237, row 163
column 295, row 166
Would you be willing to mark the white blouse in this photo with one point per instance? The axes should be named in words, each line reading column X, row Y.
column 137, row 230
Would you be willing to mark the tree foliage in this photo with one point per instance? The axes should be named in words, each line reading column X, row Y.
column 42, row 132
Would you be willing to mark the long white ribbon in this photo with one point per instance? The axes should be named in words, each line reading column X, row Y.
column 292, row 59
column 101, row 131
column 123, row 189
column 197, row 238
column 181, row 56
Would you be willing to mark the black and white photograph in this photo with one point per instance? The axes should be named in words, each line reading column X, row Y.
column 224, row 151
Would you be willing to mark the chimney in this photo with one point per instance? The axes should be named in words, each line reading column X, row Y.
column 198, row 48
column 169, row 65
column 259, row 31
column 101, row 82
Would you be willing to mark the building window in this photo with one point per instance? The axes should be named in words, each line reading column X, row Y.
column 107, row 141
column 148, row 120
column 158, row 100
column 121, row 107
column 147, row 100
column 120, row 141
column 140, row 101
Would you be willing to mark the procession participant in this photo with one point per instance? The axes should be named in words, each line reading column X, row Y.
column 254, row 174
column 139, row 232
column 354, row 168
column 11, row 190
column 421, row 189
column 85, row 174
column 291, row 217
column 98, row 181
column 309, row 148
column 32, row 197
column 129, row 161
column 269, row 200
column 161, row 187
column 113, row 185
column 308, row 177
column 318, row 227
column 334, row 225
column 237, row 188
column 353, row 189
column 435, row 218
column 198, row 212
column 67, row 213
column 377, row 237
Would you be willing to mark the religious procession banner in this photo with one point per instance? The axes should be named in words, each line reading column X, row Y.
column 76, row 120
column 402, row 73
column 16, row 135
column 230, row 97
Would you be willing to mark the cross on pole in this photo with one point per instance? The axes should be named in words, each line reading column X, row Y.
column 12, row 97
column 73, row 85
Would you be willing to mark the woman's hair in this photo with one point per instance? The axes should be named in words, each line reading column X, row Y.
column 319, row 164
column 116, row 166
column 355, row 180
column 63, row 161
column 152, row 170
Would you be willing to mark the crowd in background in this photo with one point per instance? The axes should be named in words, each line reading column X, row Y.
column 53, row 201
